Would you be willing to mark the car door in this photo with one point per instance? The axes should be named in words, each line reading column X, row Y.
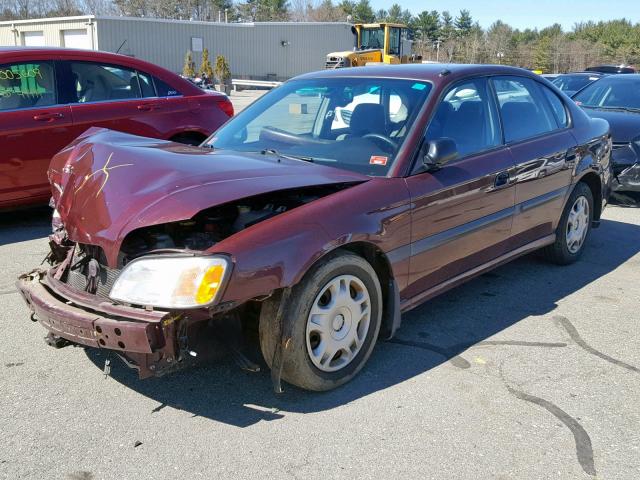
column 535, row 123
column 33, row 127
column 111, row 96
column 461, row 213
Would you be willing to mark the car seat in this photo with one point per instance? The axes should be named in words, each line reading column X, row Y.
column 367, row 118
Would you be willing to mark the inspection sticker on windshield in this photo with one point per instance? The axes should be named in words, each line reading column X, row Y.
column 378, row 160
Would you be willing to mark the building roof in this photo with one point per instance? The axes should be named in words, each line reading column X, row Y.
column 91, row 18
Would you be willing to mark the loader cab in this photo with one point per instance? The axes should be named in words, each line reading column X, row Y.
column 375, row 43
column 392, row 40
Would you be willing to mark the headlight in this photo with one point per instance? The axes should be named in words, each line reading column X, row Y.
column 171, row 281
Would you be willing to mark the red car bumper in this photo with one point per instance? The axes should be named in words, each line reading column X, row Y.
column 144, row 337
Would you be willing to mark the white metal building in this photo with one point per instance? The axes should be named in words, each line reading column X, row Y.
column 261, row 50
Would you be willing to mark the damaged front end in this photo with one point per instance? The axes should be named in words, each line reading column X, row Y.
column 135, row 266
column 626, row 166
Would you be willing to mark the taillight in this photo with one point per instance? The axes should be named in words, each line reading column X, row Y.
column 226, row 106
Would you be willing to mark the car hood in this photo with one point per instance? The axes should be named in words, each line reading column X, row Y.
column 106, row 184
column 625, row 126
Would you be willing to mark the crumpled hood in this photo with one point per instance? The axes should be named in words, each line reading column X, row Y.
column 106, row 184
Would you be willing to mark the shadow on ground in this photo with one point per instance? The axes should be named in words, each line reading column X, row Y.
column 437, row 332
column 23, row 225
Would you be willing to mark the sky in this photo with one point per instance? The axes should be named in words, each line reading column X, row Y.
column 523, row 14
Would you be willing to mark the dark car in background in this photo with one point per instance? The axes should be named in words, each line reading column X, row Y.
column 571, row 83
column 616, row 99
column 611, row 69
column 323, row 232
column 50, row 96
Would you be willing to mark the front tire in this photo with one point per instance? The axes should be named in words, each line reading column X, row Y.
column 574, row 227
column 336, row 311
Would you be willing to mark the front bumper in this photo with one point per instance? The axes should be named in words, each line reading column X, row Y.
column 145, row 338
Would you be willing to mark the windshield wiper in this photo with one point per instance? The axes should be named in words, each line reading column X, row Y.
column 273, row 151
column 619, row 109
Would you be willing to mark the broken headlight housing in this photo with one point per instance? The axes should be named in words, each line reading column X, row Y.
column 172, row 281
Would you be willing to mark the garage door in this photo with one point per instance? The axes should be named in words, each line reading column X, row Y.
column 33, row 39
column 76, row 39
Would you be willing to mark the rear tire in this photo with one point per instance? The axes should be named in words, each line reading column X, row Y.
column 574, row 227
column 338, row 302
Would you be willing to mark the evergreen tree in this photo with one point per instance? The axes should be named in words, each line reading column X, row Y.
column 464, row 23
column 363, row 13
column 189, row 69
column 206, row 70
column 222, row 71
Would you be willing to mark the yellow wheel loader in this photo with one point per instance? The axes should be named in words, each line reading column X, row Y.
column 375, row 43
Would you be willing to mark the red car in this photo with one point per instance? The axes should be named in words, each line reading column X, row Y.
column 322, row 232
column 50, row 96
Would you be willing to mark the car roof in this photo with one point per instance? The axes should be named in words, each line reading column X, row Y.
column 433, row 72
column 88, row 55
column 624, row 77
column 584, row 74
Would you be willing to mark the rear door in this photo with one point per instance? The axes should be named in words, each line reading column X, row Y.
column 462, row 213
column 535, row 123
column 33, row 127
column 111, row 96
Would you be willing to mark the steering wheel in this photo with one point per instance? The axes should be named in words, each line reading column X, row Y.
column 386, row 140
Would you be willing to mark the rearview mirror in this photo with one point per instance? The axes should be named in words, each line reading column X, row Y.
column 438, row 152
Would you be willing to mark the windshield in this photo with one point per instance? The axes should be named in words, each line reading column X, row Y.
column 357, row 124
column 372, row 38
column 570, row 84
column 611, row 92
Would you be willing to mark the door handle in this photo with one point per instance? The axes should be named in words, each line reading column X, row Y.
column 47, row 117
column 501, row 180
column 147, row 107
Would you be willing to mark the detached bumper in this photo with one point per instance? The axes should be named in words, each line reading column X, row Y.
column 144, row 337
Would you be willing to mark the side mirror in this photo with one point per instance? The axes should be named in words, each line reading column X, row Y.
column 438, row 152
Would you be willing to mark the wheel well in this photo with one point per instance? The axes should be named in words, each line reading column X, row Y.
column 375, row 257
column 190, row 138
column 382, row 267
column 592, row 180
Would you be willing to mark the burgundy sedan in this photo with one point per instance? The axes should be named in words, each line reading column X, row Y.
column 50, row 96
column 322, row 229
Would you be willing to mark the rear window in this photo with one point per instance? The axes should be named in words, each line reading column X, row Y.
column 97, row 82
column 525, row 113
column 27, row 85
column 165, row 90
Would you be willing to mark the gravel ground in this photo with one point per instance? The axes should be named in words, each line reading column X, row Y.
column 529, row 371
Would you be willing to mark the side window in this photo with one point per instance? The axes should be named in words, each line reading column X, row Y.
column 394, row 41
column 525, row 112
column 146, row 85
column 165, row 90
column 559, row 110
column 467, row 115
column 96, row 82
column 27, row 85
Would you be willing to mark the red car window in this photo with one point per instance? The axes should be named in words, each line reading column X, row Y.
column 96, row 82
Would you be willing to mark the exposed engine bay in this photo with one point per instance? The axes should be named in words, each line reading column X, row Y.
column 213, row 225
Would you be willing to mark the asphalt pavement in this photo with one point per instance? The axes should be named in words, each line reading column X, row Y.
column 531, row 371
